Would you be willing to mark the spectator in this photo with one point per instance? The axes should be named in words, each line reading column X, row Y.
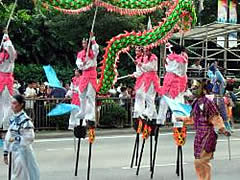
column 22, row 87
column 16, row 86
column 113, row 92
column 196, row 68
column 130, row 92
column 119, row 88
column 35, row 86
column 58, row 93
column 67, row 87
column 42, row 91
column 123, row 97
column 30, row 91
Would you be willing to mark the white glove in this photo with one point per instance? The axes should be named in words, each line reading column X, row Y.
column 5, row 37
column 93, row 38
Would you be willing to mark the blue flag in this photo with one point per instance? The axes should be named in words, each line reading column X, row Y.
column 52, row 77
column 62, row 108
column 178, row 109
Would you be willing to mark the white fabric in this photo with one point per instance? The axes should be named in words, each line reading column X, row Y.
column 145, row 103
column 89, row 62
column 87, row 104
column 150, row 110
column 150, row 66
column 73, row 120
column 199, row 67
column 5, row 108
column 139, row 105
column 8, row 65
column 163, row 108
column 24, row 165
column 71, row 90
column 123, row 98
column 175, row 67
column 30, row 92
column 139, row 71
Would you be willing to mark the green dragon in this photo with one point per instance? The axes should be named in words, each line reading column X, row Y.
column 180, row 16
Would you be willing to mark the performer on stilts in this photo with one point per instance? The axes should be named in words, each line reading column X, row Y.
column 7, row 59
column 205, row 117
column 174, row 87
column 73, row 93
column 18, row 144
column 146, row 85
column 88, row 81
column 87, row 63
column 219, row 84
column 139, row 104
column 175, row 80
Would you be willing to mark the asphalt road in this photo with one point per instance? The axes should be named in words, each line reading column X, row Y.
column 111, row 159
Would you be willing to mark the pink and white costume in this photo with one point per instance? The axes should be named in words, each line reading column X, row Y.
column 73, row 93
column 88, row 82
column 146, row 85
column 174, row 83
column 7, row 59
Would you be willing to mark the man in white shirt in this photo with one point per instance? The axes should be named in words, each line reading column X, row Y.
column 196, row 68
column 30, row 93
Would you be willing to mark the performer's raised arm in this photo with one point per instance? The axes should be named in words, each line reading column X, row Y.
column 8, row 47
column 95, row 46
column 85, row 62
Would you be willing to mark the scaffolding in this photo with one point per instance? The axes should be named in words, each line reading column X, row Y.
column 202, row 43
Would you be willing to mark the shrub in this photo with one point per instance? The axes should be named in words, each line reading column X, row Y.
column 115, row 116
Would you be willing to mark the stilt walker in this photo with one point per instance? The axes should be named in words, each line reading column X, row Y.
column 174, row 86
column 139, row 105
column 144, row 109
column 175, row 80
column 218, row 90
column 8, row 56
column 87, row 63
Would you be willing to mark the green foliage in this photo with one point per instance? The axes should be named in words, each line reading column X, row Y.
column 35, row 72
column 114, row 116
column 236, row 112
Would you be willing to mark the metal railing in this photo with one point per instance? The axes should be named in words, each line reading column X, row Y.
column 110, row 112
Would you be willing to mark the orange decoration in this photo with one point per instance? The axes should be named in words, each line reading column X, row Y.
column 91, row 135
column 146, row 131
column 180, row 134
column 140, row 125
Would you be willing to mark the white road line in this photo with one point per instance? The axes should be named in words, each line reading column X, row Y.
column 51, row 149
column 223, row 140
column 157, row 165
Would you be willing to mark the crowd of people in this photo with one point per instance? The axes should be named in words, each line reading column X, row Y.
column 34, row 89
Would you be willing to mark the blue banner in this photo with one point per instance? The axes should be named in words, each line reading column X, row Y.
column 52, row 77
column 178, row 109
column 62, row 108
